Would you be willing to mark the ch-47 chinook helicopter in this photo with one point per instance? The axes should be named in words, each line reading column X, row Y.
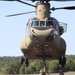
column 42, row 40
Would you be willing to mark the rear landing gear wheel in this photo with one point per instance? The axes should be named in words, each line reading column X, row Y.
column 24, row 59
column 27, row 62
column 62, row 62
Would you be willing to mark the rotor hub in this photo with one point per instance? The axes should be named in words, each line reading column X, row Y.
column 41, row 1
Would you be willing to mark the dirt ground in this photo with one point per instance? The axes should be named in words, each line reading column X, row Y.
column 64, row 74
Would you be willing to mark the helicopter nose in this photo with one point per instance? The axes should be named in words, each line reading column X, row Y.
column 50, row 37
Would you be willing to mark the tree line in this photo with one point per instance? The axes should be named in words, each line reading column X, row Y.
column 12, row 65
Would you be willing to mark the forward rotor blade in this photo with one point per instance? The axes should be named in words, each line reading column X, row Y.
column 19, row 14
column 8, row 0
column 67, row 8
column 20, row 2
column 26, row 3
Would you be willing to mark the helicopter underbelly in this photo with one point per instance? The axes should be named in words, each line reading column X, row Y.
column 51, row 50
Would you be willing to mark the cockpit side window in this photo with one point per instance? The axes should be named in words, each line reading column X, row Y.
column 56, row 24
column 28, row 22
column 33, row 22
column 53, row 22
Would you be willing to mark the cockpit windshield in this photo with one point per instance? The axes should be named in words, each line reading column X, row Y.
column 39, row 23
column 42, row 23
column 35, row 23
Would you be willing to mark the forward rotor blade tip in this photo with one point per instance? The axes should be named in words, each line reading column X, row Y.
column 8, row 0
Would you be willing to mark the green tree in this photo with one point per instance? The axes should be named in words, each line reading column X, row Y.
column 54, row 66
column 70, row 65
column 22, row 69
column 7, row 70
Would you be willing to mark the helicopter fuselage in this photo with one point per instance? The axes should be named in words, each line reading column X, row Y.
column 43, row 38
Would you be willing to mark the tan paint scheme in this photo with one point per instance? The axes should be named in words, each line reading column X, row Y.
column 42, row 11
column 34, row 50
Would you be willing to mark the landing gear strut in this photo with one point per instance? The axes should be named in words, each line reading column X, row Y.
column 62, row 62
column 25, row 59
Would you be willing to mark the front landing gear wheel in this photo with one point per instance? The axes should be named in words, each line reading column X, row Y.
column 61, row 73
column 24, row 59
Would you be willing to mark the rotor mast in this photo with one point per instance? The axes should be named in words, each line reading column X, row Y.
column 42, row 10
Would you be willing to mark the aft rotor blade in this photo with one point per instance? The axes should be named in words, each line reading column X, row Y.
column 51, row 0
column 67, row 8
column 62, row 0
column 19, row 14
column 39, row 0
